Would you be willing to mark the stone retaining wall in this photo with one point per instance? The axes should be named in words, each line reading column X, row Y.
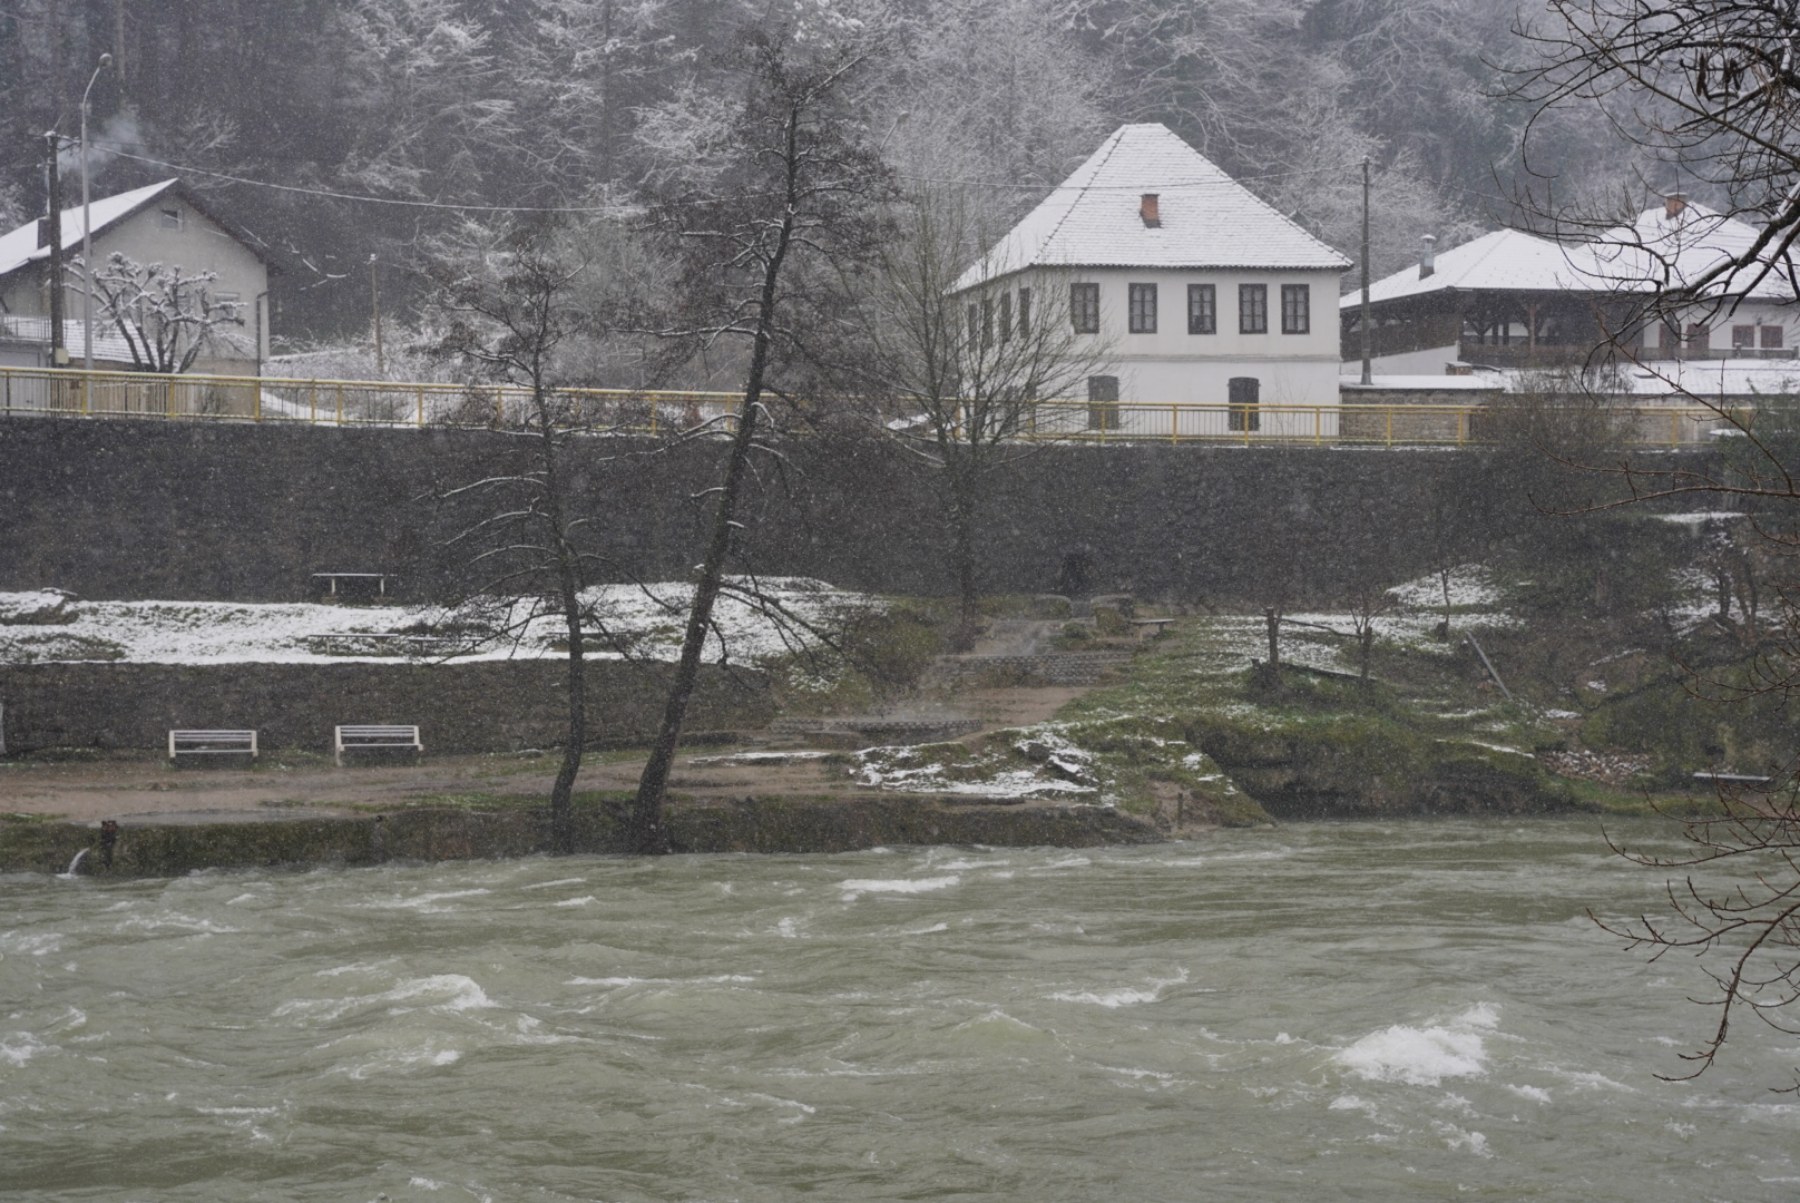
column 489, row 707
column 235, row 511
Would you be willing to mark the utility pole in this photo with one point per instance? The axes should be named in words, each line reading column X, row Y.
column 87, row 229
column 1366, row 377
column 59, row 354
column 375, row 302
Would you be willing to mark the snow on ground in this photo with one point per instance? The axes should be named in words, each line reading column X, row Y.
column 1053, row 767
column 1471, row 586
column 47, row 625
column 1698, row 518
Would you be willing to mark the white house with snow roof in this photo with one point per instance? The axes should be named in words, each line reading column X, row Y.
column 162, row 223
column 1195, row 291
column 1511, row 299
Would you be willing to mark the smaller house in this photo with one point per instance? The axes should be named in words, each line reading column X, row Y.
column 1515, row 300
column 162, row 223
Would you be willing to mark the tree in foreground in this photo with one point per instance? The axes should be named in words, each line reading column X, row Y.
column 958, row 376
column 779, row 190
column 512, row 302
column 1712, row 91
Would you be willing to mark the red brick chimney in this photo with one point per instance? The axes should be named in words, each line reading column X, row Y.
column 1149, row 211
column 1674, row 205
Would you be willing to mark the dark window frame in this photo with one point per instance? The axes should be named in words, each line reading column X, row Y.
column 1773, row 338
column 1296, row 309
column 1203, row 309
column 1084, row 308
column 1253, row 309
column 1141, row 308
column 1024, row 312
column 1743, row 338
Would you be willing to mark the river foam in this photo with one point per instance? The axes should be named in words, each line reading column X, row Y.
column 1424, row 1056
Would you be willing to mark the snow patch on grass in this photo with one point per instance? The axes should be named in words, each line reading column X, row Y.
column 648, row 620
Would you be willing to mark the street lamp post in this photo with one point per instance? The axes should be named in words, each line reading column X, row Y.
column 87, row 227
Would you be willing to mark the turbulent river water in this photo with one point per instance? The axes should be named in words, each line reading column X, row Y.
column 1383, row 1012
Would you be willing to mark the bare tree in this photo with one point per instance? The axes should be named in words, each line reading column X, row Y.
column 1754, row 924
column 167, row 317
column 959, row 375
column 788, row 180
column 1711, row 90
column 512, row 307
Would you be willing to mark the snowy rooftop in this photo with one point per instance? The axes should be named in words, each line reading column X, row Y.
column 1207, row 219
column 1503, row 260
column 1656, row 251
column 20, row 246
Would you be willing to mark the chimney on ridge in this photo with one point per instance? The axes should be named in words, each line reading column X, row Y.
column 1674, row 205
column 1428, row 257
column 1149, row 211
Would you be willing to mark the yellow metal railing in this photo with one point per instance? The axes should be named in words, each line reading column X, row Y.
column 271, row 399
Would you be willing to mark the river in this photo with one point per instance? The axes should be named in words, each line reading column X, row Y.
column 1410, row 1011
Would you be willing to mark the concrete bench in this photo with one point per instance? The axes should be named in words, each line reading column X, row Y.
column 374, row 737
column 211, row 743
column 1161, row 624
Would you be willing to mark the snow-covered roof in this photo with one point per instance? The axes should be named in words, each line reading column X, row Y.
column 1660, row 250
column 1207, row 218
column 19, row 247
column 1505, row 260
column 1656, row 251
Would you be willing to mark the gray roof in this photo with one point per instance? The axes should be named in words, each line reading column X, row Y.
column 1208, row 219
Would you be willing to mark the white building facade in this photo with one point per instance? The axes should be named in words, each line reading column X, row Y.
column 1205, row 311
column 161, row 223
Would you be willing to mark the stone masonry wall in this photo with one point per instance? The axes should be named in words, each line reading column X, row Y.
column 235, row 511
column 488, row 707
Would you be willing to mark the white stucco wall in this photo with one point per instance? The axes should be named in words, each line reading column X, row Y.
column 197, row 244
column 1171, row 367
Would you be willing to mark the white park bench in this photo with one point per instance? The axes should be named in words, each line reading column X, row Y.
column 211, row 743
column 372, row 736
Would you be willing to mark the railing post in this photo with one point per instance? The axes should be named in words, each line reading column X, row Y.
column 169, row 396
column 312, row 401
column 1174, row 423
column 1318, row 425
column 421, row 407
column 86, row 384
column 1389, row 414
column 340, row 404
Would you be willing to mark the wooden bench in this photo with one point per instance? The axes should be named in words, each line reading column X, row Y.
column 372, row 737
column 1161, row 624
column 211, row 743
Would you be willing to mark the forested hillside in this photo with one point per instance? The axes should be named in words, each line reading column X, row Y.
column 295, row 118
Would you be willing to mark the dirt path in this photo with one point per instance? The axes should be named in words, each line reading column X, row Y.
column 138, row 789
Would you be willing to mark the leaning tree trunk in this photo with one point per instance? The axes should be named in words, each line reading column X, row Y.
column 962, row 553
column 648, row 834
column 568, row 581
